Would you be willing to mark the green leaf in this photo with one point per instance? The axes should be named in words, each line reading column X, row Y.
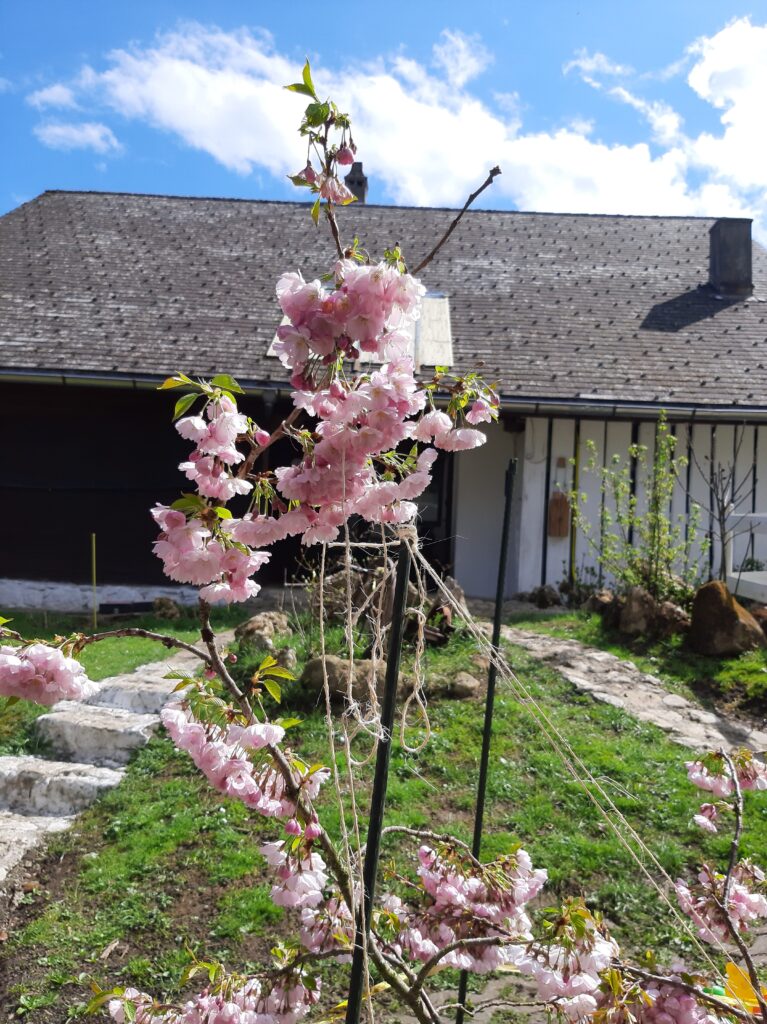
column 317, row 114
column 176, row 381
column 279, row 673
column 188, row 503
column 299, row 181
column 306, row 74
column 316, row 211
column 225, row 380
column 101, row 997
column 300, row 87
column 183, row 684
column 3, row 620
column 183, row 404
column 273, row 689
column 129, row 1009
column 223, row 513
column 288, row 723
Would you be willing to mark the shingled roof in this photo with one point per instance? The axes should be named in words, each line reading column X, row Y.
column 559, row 307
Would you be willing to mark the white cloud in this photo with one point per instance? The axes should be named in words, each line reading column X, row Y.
column 85, row 135
column 428, row 140
column 57, row 95
column 462, row 57
column 730, row 73
column 664, row 121
column 588, row 65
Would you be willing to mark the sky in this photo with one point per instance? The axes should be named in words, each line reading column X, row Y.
column 626, row 106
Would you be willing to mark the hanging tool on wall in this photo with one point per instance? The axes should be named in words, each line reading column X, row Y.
column 558, row 524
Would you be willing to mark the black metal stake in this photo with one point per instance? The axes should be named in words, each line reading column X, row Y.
column 378, row 798
column 492, row 672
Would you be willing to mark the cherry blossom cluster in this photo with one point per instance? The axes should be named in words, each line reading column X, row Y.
column 286, row 1002
column 468, row 901
column 222, row 755
column 192, row 553
column 568, row 970
column 712, row 774
column 216, row 450
column 703, row 901
column 668, row 1004
column 371, row 309
column 42, row 674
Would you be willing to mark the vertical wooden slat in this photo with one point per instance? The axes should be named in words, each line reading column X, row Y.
column 530, row 488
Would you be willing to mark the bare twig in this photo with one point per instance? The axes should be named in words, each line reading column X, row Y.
column 334, row 229
column 435, row 837
column 738, row 831
column 258, row 450
column 147, row 634
column 454, row 224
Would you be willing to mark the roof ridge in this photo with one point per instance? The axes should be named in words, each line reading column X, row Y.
column 376, row 206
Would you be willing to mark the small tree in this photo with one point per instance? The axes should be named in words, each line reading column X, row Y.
column 644, row 546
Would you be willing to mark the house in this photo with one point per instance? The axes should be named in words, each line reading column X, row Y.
column 589, row 324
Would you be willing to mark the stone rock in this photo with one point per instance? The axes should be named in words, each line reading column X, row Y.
column 165, row 608
column 481, row 661
column 286, row 657
column 338, row 672
column 670, row 619
column 599, row 601
column 262, row 628
column 456, row 591
column 464, row 687
column 638, row 614
column 759, row 611
column 720, row 625
column 545, row 596
column 611, row 616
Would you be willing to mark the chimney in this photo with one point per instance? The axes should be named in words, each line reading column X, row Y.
column 730, row 257
column 357, row 182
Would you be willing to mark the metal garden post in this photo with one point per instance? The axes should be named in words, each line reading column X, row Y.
column 476, row 845
column 378, row 798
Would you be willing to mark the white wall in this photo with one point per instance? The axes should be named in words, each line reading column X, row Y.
column 478, row 499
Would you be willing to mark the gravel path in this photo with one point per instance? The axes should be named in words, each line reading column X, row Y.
column 620, row 683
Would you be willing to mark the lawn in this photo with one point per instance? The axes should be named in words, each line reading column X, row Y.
column 162, row 867
column 733, row 684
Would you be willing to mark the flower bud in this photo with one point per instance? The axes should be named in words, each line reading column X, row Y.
column 293, row 828
column 312, row 830
column 261, row 437
column 232, row 659
column 345, row 155
column 210, row 673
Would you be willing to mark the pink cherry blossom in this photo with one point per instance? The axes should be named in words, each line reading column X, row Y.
column 42, row 674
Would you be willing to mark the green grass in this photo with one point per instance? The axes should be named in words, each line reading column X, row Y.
column 107, row 658
column 162, row 865
column 741, row 681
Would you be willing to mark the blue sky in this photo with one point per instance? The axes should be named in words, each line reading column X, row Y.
column 629, row 107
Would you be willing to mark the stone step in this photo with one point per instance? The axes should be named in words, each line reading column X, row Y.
column 20, row 833
column 95, row 734
column 133, row 693
column 33, row 786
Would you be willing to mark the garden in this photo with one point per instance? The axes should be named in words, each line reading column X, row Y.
column 234, row 874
